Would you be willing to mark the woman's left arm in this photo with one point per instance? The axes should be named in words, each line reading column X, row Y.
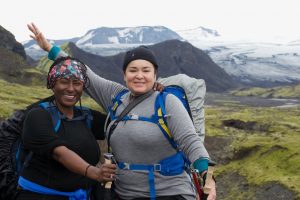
column 184, row 133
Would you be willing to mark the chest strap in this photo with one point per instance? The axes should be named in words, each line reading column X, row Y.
column 79, row 194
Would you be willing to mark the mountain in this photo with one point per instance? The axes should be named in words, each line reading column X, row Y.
column 198, row 34
column 110, row 41
column 256, row 64
column 14, row 64
column 12, row 53
column 8, row 41
column 249, row 63
column 173, row 57
column 36, row 52
column 127, row 35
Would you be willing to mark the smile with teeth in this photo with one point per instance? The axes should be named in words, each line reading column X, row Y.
column 71, row 97
column 139, row 83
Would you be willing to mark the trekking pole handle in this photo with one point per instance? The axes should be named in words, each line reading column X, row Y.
column 108, row 159
column 209, row 180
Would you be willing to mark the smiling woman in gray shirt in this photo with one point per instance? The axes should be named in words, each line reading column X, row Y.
column 139, row 146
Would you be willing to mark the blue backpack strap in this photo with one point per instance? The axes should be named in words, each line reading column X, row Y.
column 116, row 103
column 181, row 95
column 55, row 115
column 79, row 194
column 160, row 113
column 87, row 115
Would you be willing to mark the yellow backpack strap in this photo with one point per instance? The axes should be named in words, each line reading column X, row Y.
column 160, row 113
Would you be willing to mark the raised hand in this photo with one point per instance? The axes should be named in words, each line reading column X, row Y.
column 39, row 37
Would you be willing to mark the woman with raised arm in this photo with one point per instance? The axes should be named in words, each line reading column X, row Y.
column 61, row 139
column 150, row 166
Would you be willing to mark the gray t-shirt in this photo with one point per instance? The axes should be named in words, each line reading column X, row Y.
column 140, row 142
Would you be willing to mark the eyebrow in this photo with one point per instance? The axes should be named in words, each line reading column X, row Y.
column 135, row 67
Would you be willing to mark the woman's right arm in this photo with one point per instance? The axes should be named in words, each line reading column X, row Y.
column 41, row 140
column 76, row 164
column 100, row 89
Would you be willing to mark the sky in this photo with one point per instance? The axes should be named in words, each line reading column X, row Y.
column 239, row 19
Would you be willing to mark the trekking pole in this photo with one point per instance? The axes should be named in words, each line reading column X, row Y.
column 108, row 159
column 197, row 184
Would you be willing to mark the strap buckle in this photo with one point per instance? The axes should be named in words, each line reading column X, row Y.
column 126, row 166
column 157, row 167
column 134, row 116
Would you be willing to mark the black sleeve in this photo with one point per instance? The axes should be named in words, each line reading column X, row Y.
column 98, row 125
column 38, row 134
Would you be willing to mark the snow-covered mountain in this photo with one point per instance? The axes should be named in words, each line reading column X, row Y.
column 198, row 34
column 127, row 35
column 249, row 62
column 258, row 64
column 110, row 41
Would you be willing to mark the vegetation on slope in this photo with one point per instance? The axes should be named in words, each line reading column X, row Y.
column 269, row 152
column 276, row 92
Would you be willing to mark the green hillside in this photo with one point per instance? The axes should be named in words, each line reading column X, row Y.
column 16, row 96
column 276, row 92
column 267, row 152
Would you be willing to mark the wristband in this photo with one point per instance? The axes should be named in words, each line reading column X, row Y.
column 201, row 165
column 53, row 52
column 86, row 169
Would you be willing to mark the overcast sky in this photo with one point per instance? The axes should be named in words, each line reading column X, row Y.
column 61, row 19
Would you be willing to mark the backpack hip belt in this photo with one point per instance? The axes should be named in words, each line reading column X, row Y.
column 79, row 194
column 170, row 166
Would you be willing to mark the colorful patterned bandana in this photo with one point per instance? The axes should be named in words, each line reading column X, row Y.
column 66, row 69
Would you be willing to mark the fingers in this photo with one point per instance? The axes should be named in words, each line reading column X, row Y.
column 109, row 168
column 34, row 29
column 155, row 86
column 33, row 37
column 212, row 195
column 107, row 172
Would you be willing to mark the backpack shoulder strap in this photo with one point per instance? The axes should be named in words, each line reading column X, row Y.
column 87, row 114
column 116, row 103
column 160, row 112
column 55, row 115
column 181, row 95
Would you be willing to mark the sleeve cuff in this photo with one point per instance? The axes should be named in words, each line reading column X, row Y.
column 53, row 52
column 201, row 164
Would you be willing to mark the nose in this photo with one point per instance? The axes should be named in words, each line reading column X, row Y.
column 139, row 75
column 70, row 87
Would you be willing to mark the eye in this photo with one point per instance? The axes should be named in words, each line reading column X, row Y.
column 132, row 70
column 63, row 81
column 77, row 82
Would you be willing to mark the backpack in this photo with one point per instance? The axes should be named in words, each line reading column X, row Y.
column 13, row 156
column 195, row 90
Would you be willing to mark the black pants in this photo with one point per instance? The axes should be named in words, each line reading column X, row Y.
column 175, row 197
